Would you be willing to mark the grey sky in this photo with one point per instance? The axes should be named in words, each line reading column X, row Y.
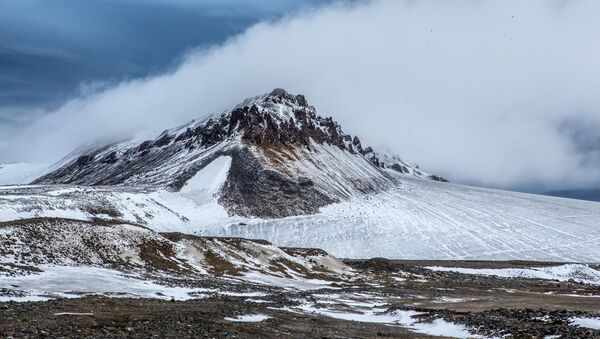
column 49, row 47
column 502, row 94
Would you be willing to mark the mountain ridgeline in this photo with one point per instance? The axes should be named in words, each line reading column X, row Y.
column 285, row 159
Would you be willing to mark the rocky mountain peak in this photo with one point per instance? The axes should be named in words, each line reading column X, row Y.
column 281, row 93
column 274, row 119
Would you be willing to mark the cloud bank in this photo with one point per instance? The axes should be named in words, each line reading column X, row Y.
column 497, row 93
column 48, row 47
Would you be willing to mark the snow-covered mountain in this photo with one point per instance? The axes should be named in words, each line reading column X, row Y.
column 285, row 159
column 272, row 169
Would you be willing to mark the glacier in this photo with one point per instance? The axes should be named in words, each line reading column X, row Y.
column 423, row 219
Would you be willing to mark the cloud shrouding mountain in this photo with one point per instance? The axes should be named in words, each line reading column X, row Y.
column 487, row 92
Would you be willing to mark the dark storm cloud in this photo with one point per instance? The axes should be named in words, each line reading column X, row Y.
column 48, row 48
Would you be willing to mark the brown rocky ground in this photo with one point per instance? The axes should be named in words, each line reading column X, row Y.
column 494, row 306
column 304, row 292
column 489, row 306
column 100, row 317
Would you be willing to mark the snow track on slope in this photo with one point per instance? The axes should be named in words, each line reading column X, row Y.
column 430, row 220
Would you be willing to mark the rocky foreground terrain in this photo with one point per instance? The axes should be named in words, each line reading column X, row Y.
column 486, row 307
column 68, row 278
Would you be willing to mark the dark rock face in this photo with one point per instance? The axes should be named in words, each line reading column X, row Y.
column 252, row 190
column 438, row 178
column 260, row 127
column 399, row 168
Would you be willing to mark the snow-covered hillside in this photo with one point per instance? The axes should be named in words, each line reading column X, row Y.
column 48, row 258
column 429, row 220
column 422, row 219
column 419, row 219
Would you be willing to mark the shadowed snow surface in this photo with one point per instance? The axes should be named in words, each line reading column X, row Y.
column 428, row 220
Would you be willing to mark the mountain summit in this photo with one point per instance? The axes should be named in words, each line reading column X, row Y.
column 285, row 159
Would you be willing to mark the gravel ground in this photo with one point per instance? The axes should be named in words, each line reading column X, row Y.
column 100, row 317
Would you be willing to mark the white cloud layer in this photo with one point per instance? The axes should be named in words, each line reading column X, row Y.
column 486, row 92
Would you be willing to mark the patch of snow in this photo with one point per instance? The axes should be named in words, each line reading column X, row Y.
column 577, row 272
column 207, row 181
column 405, row 318
column 441, row 327
column 355, row 300
column 589, row 295
column 369, row 316
column 244, row 294
column 258, row 301
column 26, row 298
column 77, row 281
column 249, row 318
column 74, row 313
column 298, row 283
column 544, row 318
column 449, row 300
column 593, row 323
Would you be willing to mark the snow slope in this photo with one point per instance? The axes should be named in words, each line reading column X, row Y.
column 209, row 180
column 430, row 220
column 196, row 202
column 419, row 219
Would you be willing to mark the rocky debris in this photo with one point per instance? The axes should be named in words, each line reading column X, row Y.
column 148, row 318
column 438, row 178
column 376, row 265
column 253, row 190
column 237, row 256
column 496, row 314
column 73, row 242
column 520, row 323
